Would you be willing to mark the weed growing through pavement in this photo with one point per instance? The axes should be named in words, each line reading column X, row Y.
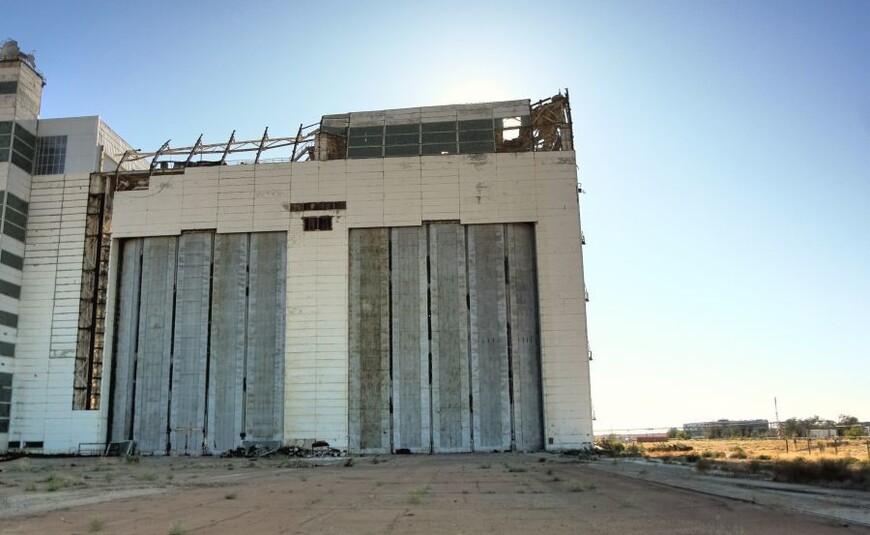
column 96, row 525
column 175, row 528
column 146, row 476
column 575, row 486
column 415, row 497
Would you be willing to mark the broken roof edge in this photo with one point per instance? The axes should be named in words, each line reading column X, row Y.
column 305, row 145
column 427, row 114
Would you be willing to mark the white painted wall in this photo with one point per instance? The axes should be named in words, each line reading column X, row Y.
column 48, row 318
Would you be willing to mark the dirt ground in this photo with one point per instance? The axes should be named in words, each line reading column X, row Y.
column 504, row 493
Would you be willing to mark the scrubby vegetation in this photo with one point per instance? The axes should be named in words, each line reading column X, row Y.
column 849, row 473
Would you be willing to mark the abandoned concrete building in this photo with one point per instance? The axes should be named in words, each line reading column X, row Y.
column 407, row 279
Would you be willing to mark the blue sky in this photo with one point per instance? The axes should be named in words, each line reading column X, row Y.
column 724, row 148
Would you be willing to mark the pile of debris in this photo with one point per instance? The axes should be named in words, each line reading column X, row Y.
column 317, row 450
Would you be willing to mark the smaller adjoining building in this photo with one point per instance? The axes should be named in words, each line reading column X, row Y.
column 727, row 428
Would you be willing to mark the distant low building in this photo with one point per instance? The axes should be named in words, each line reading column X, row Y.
column 727, row 428
column 823, row 432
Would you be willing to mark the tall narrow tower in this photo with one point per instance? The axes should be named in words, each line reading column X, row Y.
column 20, row 97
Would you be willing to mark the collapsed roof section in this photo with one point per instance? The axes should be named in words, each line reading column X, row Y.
column 509, row 126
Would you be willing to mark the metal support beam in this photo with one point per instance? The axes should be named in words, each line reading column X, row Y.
column 229, row 144
column 193, row 150
column 158, row 153
column 296, row 142
column 262, row 144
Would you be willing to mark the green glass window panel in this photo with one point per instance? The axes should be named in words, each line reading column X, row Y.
column 5, row 386
column 476, row 124
column 8, row 88
column 4, row 409
column 402, row 150
column 403, row 128
column 16, row 217
column 4, row 155
column 439, row 148
column 19, row 204
column 5, row 127
column 447, row 126
column 476, row 147
column 22, row 162
column 5, row 141
column 402, row 139
column 23, row 134
column 13, row 231
column 12, row 290
column 366, row 131
column 23, row 149
column 439, row 137
column 7, row 349
column 365, row 141
column 11, row 260
column 476, row 135
column 365, row 152
column 10, row 320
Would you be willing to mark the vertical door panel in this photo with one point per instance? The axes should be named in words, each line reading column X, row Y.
column 226, row 401
column 369, row 341
column 190, row 344
column 488, row 338
column 151, row 418
column 525, row 355
column 126, row 335
column 451, row 413
column 410, row 340
column 264, row 395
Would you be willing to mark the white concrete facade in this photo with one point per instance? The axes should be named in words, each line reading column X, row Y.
column 489, row 187
column 536, row 187
column 50, row 282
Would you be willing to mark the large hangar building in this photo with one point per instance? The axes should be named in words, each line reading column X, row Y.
column 407, row 279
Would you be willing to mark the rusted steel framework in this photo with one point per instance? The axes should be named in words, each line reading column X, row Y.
column 550, row 129
column 551, row 124
column 168, row 158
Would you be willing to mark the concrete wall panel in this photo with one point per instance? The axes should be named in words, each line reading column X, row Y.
column 451, row 411
column 369, row 341
column 151, row 419
column 190, row 344
column 126, row 334
column 229, row 327
column 488, row 338
column 264, row 377
column 524, row 343
column 410, row 339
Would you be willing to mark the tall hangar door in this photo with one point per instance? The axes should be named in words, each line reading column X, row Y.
column 199, row 355
column 443, row 339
